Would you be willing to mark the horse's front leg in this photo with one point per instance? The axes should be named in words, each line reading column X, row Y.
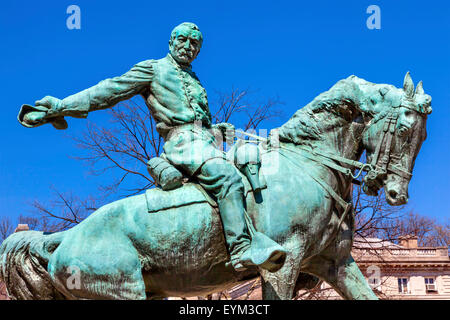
column 345, row 277
column 280, row 285
column 351, row 284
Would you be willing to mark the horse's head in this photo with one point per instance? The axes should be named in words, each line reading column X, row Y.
column 393, row 139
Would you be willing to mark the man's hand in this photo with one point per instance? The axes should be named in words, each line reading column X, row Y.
column 45, row 110
column 51, row 103
column 47, row 104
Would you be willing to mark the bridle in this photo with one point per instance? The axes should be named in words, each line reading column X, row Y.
column 380, row 166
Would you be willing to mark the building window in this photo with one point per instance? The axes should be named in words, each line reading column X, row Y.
column 430, row 285
column 403, row 285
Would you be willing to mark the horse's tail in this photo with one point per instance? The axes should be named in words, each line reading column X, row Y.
column 24, row 258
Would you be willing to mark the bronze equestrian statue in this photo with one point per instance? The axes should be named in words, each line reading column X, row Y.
column 281, row 208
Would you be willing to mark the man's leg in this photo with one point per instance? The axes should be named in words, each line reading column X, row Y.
column 221, row 179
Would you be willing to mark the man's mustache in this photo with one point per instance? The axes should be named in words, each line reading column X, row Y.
column 186, row 53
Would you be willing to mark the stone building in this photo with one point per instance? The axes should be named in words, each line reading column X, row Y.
column 405, row 271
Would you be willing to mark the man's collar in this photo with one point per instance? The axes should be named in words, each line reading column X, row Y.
column 175, row 62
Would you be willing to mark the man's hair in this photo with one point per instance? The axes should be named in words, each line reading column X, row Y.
column 189, row 25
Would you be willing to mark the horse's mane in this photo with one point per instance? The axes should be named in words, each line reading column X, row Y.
column 347, row 99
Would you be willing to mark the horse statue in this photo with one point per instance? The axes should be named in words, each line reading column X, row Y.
column 171, row 243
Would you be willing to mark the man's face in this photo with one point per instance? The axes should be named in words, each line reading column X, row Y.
column 186, row 45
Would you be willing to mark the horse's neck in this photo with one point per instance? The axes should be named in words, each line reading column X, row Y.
column 335, row 120
column 344, row 141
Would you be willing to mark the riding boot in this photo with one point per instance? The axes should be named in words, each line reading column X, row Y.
column 245, row 251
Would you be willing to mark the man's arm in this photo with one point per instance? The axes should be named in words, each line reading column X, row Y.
column 105, row 94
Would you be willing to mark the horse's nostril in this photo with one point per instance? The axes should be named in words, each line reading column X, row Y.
column 393, row 194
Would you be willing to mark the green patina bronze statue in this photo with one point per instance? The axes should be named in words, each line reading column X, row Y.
column 281, row 209
column 178, row 103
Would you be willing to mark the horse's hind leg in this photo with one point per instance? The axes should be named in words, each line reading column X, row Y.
column 99, row 272
column 97, row 260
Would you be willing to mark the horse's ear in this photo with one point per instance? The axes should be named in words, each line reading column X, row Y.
column 408, row 86
column 419, row 88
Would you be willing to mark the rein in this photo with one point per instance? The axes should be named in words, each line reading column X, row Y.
column 347, row 206
column 325, row 160
column 376, row 168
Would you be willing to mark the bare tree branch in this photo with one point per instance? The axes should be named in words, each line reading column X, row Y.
column 6, row 228
column 62, row 213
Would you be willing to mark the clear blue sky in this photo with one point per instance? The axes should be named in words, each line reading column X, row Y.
column 294, row 49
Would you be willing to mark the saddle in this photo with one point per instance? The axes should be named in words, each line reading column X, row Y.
column 176, row 189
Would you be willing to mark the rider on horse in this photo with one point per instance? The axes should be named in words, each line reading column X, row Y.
column 176, row 100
